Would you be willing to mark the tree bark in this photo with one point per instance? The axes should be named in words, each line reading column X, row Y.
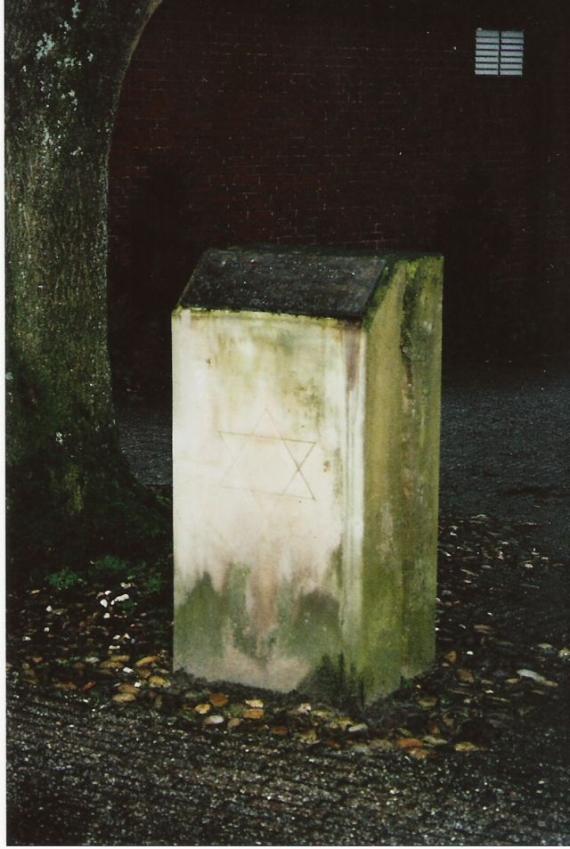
column 65, row 62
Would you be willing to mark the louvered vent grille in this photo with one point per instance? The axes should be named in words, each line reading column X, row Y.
column 499, row 53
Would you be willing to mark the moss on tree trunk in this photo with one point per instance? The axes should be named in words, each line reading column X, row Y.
column 65, row 63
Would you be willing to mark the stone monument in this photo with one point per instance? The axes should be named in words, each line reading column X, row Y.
column 306, row 461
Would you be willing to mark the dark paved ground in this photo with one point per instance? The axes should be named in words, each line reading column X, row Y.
column 505, row 448
column 107, row 778
column 82, row 773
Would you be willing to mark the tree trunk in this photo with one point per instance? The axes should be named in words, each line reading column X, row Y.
column 65, row 64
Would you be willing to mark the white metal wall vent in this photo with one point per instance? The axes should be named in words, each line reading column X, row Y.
column 499, row 53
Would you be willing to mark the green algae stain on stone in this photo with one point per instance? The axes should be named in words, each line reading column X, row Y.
column 200, row 622
column 421, row 354
column 310, row 629
column 336, row 571
column 208, row 622
column 238, row 619
column 336, row 680
column 313, row 626
column 402, row 443
column 205, row 618
column 379, row 652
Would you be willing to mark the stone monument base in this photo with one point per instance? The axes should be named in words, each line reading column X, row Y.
column 306, row 454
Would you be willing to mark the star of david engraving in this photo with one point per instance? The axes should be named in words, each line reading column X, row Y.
column 264, row 461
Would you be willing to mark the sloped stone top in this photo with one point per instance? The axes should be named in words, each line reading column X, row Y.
column 327, row 283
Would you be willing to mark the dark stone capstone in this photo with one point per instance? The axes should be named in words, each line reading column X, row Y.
column 297, row 281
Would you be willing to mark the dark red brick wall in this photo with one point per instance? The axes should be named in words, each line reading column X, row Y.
column 352, row 124
column 552, row 279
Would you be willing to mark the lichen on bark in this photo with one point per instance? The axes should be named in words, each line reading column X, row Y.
column 65, row 61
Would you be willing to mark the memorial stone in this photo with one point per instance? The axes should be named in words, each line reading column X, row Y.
column 306, row 461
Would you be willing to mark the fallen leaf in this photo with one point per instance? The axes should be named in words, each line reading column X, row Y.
column 303, row 708
column 358, row 728
column 451, row 657
column 309, row 737
column 253, row 713
column 88, row 686
column 30, row 675
column 382, row 744
column 214, row 719
column 65, row 685
column 158, row 681
column 192, row 695
column 111, row 663
column 341, row 724
column 219, row 699
column 119, row 598
column 564, row 654
column 233, row 723
column 409, row 743
column 418, row 754
column 280, row 730
column 123, row 698
column 323, row 714
column 465, row 676
column 534, row 676
column 529, row 673
column 432, row 740
column 466, row 746
column 147, row 661
column 483, row 629
column 428, row 702
column 120, row 658
column 203, row 708
column 254, row 703
column 129, row 688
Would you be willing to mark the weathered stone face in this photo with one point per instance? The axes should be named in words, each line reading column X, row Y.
column 305, row 469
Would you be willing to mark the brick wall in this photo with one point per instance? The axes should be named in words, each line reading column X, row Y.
column 353, row 124
column 552, row 279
